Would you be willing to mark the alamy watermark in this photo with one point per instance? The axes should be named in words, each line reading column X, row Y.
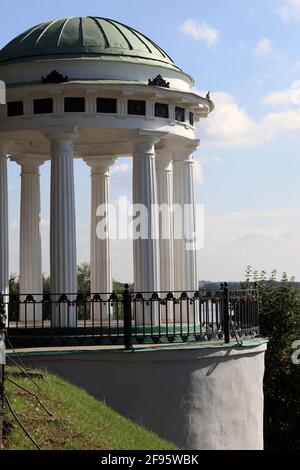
column 124, row 220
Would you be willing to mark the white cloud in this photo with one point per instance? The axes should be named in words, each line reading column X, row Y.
column 209, row 159
column 263, row 239
column 289, row 10
column 265, row 48
column 284, row 98
column 198, row 172
column 265, row 234
column 201, row 31
column 230, row 124
column 120, row 168
column 281, row 122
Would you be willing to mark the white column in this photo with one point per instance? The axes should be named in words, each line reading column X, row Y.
column 4, row 267
column 63, row 268
column 30, row 237
column 101, row 271
column 146, row 248
column 164, row 176
column 185, row 256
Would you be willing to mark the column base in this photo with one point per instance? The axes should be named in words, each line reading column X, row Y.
column 64, row 315
column 31, row 312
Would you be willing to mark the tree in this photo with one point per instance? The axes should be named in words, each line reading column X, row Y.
column 83, row 287
column 14, row 288
column 280, row 322
column 84, row 278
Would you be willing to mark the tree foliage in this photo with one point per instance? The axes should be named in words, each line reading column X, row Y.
column 84, row 278
column 83, row 287
column 280, row 322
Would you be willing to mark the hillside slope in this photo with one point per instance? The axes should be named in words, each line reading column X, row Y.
column 79, row 421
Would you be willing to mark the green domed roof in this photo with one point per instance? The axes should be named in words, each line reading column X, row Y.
column 82, row 37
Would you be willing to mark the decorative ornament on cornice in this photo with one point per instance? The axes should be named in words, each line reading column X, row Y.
column 54, row 77
column 159, row 81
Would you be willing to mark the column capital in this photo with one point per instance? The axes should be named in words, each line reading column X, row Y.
column 30, row 163
column 60, row 133
column 184, row 150
column 145, row 140
column 164, row 157
column 100, row 165
column 61, row 138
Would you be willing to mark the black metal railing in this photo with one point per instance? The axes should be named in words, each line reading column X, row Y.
column 128, row 318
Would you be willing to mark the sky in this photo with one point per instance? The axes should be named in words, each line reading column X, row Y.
column 248, row 166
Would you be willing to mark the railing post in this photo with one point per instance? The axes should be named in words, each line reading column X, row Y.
column 127, row 319
column 226, row 313
column 257, row 308
column 2, row 364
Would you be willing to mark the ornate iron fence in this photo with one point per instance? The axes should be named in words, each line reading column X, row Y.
column 128, row 318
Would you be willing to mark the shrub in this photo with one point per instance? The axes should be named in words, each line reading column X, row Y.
column 280, row 322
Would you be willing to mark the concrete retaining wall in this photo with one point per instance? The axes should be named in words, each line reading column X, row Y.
column 198, row 397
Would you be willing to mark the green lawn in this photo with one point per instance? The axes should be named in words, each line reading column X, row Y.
column 79, row 420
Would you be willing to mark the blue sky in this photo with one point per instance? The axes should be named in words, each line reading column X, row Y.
column 247, row 54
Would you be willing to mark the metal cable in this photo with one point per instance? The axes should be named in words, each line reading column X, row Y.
column 15, row 352
column 24, row 371
column 20, row 424
column 30, row 393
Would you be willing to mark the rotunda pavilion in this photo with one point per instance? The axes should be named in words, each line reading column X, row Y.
column 95, row 89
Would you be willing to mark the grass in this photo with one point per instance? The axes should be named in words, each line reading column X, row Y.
column 79, row 420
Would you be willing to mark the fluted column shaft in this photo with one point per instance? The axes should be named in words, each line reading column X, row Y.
column 101, row 280
column 63, row 268
column 146, row 249
column 101, row 271
column 62, row 219
column 100, row 244
column 185, row 256
column 164, row 177
column 4, row 256
column 30, row 237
